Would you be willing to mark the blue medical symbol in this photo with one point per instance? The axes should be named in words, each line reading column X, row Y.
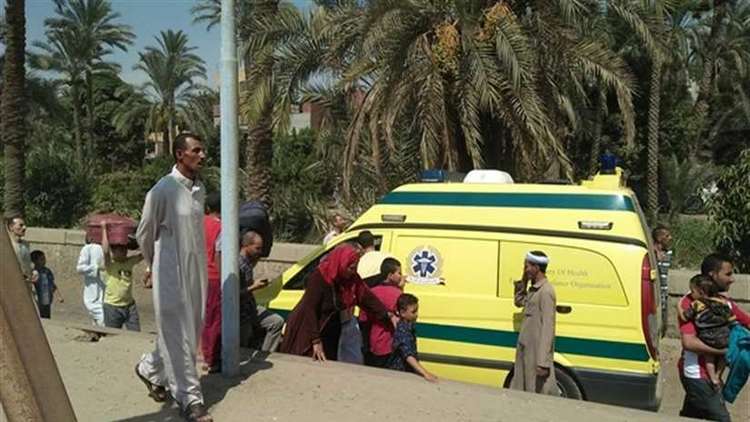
column 423, row 263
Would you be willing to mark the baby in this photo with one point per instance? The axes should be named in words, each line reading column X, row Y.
column 713, row 317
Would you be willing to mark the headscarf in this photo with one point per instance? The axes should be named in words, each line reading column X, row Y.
column 332, row 269
column 537, row 259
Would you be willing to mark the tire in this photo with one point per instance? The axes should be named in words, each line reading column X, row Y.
column 565, row 383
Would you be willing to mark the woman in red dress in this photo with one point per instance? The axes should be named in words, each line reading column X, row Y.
column 314, row 326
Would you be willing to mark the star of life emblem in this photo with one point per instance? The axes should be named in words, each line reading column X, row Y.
column 424, row 265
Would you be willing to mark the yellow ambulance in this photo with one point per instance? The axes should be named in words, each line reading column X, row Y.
column 462, row 245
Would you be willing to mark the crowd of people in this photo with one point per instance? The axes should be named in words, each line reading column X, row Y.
column 179, row 236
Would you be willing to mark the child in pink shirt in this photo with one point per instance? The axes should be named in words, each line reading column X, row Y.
column 379, row 335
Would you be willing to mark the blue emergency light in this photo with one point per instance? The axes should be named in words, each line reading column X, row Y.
column 440, row 176
column 432, row 176
column 607, row 163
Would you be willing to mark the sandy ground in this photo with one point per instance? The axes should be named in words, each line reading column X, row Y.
column 101, row 385
column 134, row 404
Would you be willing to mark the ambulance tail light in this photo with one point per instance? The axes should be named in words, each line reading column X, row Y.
column 649, row 307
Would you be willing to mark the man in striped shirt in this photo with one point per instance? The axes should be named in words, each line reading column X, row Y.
column 702, row 400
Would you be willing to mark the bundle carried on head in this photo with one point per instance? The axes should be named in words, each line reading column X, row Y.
column 120, row 229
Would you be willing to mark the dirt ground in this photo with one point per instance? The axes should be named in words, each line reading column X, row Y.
column 72, row 311
column 101, row 386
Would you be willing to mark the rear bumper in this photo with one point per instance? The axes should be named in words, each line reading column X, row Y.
column 640, row 391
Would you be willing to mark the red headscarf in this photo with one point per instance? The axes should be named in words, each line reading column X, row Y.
column 333, row 268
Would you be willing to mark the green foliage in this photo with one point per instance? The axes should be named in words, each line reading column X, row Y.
column 402, row 85
column 682, row 181
column 124, row 191
column 692, row 241
column 729, row 210
column 677, row 124
column 58, row 192
column 301, row 180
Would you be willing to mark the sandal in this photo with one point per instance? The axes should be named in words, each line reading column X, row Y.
column 156, row 392
column 211, row 369
column 196, row 412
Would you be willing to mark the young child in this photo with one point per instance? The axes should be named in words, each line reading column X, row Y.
column 378, row 336
column 712, row 317
column 119, row 304
column 404, row 356
column 44, row 284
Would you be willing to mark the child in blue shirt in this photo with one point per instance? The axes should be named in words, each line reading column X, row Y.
column 404, row 356
column 45, row 284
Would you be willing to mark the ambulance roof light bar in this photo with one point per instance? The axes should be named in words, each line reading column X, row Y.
column 440, row 176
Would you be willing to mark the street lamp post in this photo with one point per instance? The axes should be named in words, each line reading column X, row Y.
column 230, row 330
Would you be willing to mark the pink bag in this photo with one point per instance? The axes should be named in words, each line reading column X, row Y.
column 118, row 228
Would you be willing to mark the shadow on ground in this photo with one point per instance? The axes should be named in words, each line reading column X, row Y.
column 215, row 387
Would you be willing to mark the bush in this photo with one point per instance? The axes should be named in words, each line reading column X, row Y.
column 729, row 210
column 123, row 192
column 682, row 181
column 300, row 179
column 58, row 192
column 692, row 241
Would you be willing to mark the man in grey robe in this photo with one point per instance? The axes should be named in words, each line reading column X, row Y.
column 534, row 369
column 170, row 236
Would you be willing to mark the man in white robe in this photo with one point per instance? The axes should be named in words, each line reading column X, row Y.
column 170, row 236
column 89, row 261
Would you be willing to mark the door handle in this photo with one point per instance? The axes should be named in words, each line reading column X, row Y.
column 563, row 309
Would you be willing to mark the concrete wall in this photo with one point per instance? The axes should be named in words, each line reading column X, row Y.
column 62, row 248
column 679, row 282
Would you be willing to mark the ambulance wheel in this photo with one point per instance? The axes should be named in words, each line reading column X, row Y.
column 565, row 383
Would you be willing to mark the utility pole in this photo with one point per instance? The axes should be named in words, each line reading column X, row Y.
column 230, row 329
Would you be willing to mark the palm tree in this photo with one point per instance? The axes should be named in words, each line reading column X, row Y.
column 480, row 83
column 287, row 49
column 137, row 107
column 730, row 87
column 710, row 38
column 172, row 69
column 250, row 15
column 14, row 106
column 197, row 115
column 79, row 38
column 648, row 20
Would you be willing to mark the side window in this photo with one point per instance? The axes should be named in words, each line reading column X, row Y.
column 580, row 275
column 299, row 281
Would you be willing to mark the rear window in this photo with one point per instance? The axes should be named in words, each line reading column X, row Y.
column 579, row 275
